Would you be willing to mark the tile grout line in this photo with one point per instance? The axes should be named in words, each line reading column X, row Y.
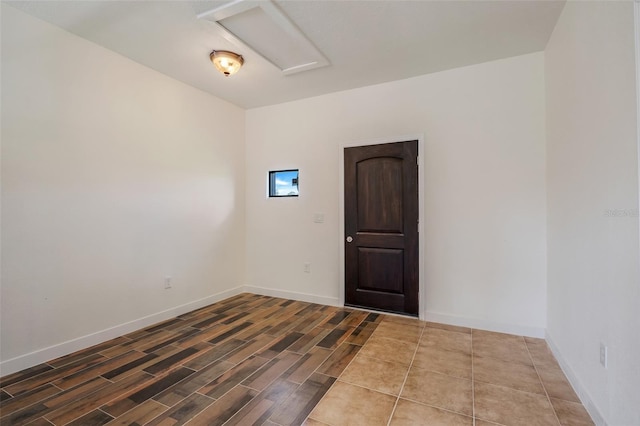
column 214, row 400
column 345, row 368
column 132, row 391
column 316, row 371
column 13, row 396
column 448, row 410
column 541, row 382
column 194, row 416
column 104, row 412
column 332, row 352
column 406, row 376
column 387, row 393
column 150, row 399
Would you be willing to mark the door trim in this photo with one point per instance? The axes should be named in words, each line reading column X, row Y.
column 421, row 236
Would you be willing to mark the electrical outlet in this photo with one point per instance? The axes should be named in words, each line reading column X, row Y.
column 167, row 283
column 604, row 355
column 307, row 267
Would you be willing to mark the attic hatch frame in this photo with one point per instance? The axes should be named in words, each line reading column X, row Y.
column 277, row 18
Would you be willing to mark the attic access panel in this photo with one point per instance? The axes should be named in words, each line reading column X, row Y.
column 265, row 29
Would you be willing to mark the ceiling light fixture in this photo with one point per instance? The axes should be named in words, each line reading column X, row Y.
column 264, row 28
column 226, row 62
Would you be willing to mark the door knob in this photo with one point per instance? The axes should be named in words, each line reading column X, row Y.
column 349, row 238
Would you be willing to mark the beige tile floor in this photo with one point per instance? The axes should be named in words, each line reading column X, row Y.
column 415, row 373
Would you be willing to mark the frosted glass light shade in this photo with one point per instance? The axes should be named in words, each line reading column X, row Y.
column 228, row 63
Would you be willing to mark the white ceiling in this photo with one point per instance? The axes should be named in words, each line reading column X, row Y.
column 366, row 42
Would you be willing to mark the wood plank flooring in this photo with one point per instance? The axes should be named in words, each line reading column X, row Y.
column 258, row 360
column 239, row 359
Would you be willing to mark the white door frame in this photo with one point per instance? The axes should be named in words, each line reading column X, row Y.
column 636, row 30
column 421, row 236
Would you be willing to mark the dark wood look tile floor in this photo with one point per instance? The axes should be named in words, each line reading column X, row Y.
column 257, row 360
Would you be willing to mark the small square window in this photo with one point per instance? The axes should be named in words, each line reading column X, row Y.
column 283, row 183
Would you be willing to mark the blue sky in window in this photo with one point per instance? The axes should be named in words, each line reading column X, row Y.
column 284, row 183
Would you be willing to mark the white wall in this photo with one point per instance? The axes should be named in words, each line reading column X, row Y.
column 592, row 169
column 113, row 177
column 484, row 185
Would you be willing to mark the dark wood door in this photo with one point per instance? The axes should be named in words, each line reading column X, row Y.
column 381, row 226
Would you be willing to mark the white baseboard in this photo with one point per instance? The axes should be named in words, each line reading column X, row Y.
column 580, row 390
column 46, row 354
column 521, row 330
column 302, row 297
column 481, row 324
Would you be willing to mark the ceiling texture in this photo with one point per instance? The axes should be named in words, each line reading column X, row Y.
column 364, row 42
